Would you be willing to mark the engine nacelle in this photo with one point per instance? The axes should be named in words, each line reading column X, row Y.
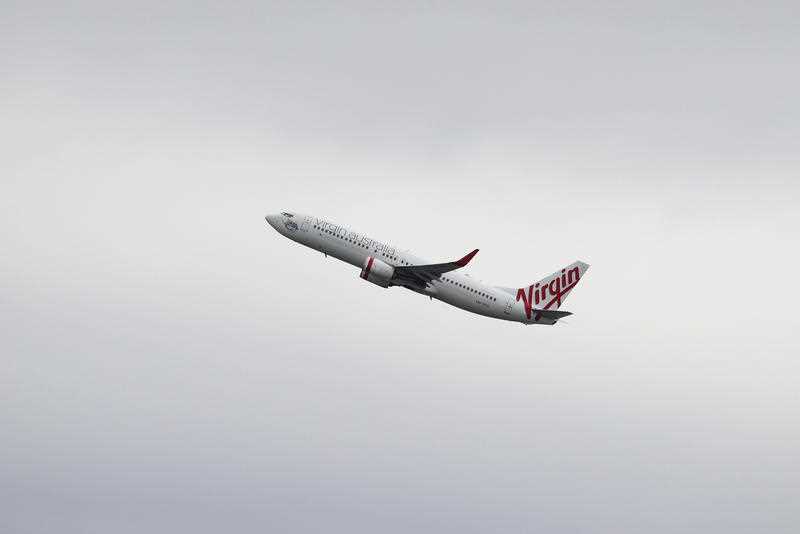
column 377, row 272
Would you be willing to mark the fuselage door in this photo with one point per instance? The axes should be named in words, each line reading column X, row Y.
column 509, row 306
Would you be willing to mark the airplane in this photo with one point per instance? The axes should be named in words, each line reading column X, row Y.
column 385, row 265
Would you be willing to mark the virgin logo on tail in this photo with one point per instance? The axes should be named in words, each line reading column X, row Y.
column 550, row 291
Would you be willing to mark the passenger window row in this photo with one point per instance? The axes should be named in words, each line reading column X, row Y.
column 471, row 290
column 321, row 229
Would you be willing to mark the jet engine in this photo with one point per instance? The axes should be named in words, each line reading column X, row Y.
column 377, row 272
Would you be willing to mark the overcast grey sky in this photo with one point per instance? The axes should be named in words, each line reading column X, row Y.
column 170, row 363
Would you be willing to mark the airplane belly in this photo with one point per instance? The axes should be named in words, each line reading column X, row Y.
column 347, row 254
column 469, row 303
column 336, row 249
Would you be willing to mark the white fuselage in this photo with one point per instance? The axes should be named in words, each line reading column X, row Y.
column 455, row 288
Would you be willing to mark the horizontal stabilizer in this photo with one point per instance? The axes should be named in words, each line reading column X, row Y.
column 551, row 314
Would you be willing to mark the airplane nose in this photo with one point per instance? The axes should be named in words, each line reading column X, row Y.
column 272, row 220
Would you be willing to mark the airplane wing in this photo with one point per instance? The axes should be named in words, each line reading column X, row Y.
column 420, row 275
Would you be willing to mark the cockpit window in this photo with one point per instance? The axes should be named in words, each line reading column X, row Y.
column 287, row 214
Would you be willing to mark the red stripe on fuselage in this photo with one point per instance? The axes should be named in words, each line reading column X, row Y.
column 368, row 268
